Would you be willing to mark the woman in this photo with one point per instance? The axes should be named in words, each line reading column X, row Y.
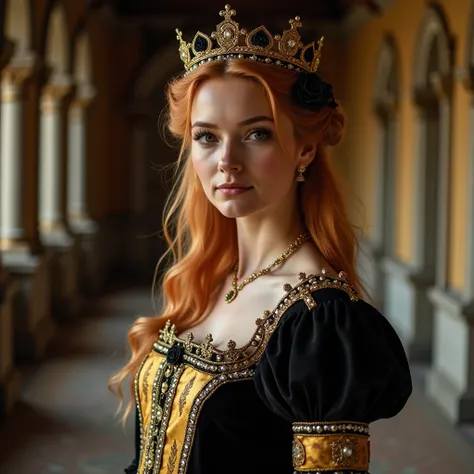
column 260, row 231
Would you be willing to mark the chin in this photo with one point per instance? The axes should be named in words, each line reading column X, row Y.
column 234, row 210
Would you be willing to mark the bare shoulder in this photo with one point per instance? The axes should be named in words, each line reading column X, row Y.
column 308, row 259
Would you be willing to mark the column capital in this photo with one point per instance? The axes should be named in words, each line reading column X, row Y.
column 15, row 74
column 57, row 88
column 85, row 94
column 56, row 92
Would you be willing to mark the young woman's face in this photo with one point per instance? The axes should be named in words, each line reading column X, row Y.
column 234, row 143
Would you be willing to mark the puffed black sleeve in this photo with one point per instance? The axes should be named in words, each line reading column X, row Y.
column 331, row 370
column 133, row 468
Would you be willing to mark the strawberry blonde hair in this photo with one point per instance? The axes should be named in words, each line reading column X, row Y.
column 195, row 229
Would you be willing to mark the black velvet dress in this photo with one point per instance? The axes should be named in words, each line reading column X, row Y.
column 298, row 397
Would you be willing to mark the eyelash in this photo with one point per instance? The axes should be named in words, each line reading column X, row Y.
column 202, row 133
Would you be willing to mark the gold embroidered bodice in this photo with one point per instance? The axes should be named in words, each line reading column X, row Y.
column 179, row 375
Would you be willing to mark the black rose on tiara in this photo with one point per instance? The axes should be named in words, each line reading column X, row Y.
column 174, row 355
column 310, row 92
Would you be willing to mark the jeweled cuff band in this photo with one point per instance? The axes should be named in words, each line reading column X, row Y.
column 336, row 447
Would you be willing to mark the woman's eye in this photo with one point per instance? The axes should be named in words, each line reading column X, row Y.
column 260, row 135
column 204, row 138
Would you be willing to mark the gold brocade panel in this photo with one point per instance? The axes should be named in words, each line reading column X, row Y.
column 190, row 385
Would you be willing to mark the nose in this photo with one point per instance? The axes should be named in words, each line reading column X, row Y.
column 229, row 161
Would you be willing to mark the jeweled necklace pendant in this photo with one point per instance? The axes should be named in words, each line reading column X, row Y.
column 230, row 296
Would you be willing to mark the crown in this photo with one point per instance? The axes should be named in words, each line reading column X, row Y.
column 259, row 45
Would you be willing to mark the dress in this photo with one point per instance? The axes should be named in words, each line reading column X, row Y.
column 297, row 398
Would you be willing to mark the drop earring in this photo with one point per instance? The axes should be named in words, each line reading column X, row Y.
column 301, row 169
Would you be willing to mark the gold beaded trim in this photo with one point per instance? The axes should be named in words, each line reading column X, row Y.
column 205, row 357
column 331, row 427
column 138, row 405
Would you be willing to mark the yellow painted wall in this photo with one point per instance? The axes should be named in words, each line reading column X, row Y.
column 403, row 21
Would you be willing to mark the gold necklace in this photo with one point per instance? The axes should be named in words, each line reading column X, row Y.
column 232, row 294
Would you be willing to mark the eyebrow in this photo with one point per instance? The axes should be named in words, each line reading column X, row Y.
column 249, row 121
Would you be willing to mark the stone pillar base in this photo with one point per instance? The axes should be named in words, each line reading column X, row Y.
column 407, row 306
column 33, row 325
column 9, row 376
column 450, row 382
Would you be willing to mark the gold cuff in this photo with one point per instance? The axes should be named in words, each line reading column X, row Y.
column 323, row 447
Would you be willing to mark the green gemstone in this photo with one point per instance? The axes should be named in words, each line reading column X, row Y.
column 230, row 296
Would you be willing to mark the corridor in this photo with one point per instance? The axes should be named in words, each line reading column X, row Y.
column 64, row 422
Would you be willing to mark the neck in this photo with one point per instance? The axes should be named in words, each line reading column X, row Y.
column 262, row 240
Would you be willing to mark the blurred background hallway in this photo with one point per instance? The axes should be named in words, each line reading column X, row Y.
column 82, row 189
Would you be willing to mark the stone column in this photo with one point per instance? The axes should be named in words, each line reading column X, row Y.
column 12, row 159
column 77, row 205
column 52, row 226
column 31, row 327
column 54, row 233
column 80, row 222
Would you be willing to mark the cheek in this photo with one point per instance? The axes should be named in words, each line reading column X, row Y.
column 274, row 168
column 202, row 167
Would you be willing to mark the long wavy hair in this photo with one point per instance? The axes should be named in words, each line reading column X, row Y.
column 194, row 229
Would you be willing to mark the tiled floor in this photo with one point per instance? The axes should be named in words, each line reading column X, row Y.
column 64, row 423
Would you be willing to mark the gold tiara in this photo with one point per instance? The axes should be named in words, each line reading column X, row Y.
column 259, row 45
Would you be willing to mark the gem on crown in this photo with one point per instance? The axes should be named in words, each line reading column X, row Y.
column 230, row 41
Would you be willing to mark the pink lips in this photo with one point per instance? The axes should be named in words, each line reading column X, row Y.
column 233, row 189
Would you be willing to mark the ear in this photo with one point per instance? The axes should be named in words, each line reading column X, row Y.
column 307, row 152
